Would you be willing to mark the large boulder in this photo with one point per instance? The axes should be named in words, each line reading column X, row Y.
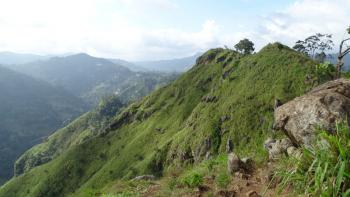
column 322, row 107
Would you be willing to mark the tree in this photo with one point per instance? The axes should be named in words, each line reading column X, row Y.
column 321, row 57
column 315, row 45
column 343, row 51
column 245, row 46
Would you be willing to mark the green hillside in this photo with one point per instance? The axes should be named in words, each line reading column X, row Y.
column 30, row 110
column 225, row 95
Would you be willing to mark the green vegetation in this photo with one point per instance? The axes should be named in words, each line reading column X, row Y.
column 82, row 129
column 30, row 111
column 193, row 180
column 225, row 95
column 325, row 71
column 245, row 46
column 323, row 170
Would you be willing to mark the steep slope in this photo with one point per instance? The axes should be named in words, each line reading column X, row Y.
column 224, row 96
column 82, row 129
column 29, row 111
column 92, row 78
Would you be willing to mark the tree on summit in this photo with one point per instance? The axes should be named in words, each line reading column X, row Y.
column 245, row 46
column 315, row 46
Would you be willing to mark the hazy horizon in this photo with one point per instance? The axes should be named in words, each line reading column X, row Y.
column 161, row 29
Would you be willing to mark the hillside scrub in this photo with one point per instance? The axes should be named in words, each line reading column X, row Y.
column 323, row 169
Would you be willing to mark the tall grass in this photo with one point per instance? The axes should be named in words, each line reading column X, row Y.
column 323, row 169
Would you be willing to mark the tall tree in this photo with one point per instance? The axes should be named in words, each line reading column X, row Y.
column 315, row 46
column 245, row 46
column 344, row 49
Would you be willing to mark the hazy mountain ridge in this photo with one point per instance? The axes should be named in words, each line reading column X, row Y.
column 333, row 60
column 7, row 57
column 171, row 65
column 71, row 77
column 30, row 110
column 92, row 78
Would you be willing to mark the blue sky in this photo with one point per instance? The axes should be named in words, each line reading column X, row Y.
column 161, row 29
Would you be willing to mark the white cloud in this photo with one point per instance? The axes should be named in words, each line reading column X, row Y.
column 149, row 4
column 101, row 28
column 48, row 26
column 304, row 18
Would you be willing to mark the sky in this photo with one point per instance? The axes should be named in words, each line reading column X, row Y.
column 137, row 30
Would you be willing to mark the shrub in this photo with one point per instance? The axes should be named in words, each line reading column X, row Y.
column 325, row 71
column 172, row 183
column 193, row 180
column 323, row 170
column 222, row 180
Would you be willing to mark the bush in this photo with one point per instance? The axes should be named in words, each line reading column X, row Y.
column 172, row 183
column 325, row 71
column 323, row 170
column 193, row 180
column 222, row 180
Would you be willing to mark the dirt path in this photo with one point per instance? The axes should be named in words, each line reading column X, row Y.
column 254, row 184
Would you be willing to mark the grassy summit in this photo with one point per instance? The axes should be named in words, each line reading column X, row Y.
column 225, row 95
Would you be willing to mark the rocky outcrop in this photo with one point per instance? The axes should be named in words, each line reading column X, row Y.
column 276, row 148
column 144, row 177
column 233, row 163
column 322, row 107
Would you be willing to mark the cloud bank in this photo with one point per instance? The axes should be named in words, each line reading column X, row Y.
column 103, row 27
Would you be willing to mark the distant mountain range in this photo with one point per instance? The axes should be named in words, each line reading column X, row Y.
column 92, row 78
column 41, row 94
column 172, row 65
column 19, row 58
column 333, row 60
column 30, row 109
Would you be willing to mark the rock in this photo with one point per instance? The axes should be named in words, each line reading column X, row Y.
column 294, row 152
column 225, row 193
column 208, row 155
column 247, row 164
column 144, row 177
column 221, row 59
column 291, row 150
column 277, row 104
column 277, row 147
column 233, row 163
column 323, row 106
column 226, row 74
column 252, row 193
column 268, row 143
column 209, row 56
column 209, row 99
column 229, row 146
column 247, row 160
column 224, row 118
column 202, row 151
